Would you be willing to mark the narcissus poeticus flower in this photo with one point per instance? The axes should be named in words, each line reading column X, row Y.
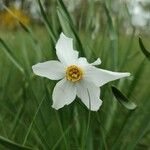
column 77, row 76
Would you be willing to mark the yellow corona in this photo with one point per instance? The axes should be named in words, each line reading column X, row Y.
column 74, row 73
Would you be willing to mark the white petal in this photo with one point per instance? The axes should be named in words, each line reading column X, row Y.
column 97, row 62
column 82, row 62
column 53, row 70
column 100, row 77
column 89, row 94
column 64, row 50
column 64, row 93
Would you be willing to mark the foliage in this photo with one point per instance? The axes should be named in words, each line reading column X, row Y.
column 26, row 117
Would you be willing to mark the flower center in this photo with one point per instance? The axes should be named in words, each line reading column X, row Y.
column 74, row 73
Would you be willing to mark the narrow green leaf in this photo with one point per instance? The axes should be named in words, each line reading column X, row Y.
column 24, row 27
column 128, row 49
column 61, row 130
column 33, row 37
column 143, row 49
column 110, row 23
column 31, row 124
column 12, row 145
column 63, row 7
column 46, row 22
column 137, row 75
column 11, row 56
column 68, row 26
column 123, row 99
column 90, row 15
column 63, row 21
column 84, row 141
column 16, row 120
column 135, row 127
column 62, row 136
column 113, row 37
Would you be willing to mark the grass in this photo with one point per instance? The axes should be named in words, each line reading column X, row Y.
column 26, row 116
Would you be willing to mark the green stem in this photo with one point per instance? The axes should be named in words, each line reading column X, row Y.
column 88, row 123
column 31, row 124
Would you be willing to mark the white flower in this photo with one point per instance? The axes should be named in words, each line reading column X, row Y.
column 139, row 16
column 76, row 75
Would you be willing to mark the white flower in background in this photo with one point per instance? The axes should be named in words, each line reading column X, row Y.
column 139, row 16
column 76, row 75
column 72, row 4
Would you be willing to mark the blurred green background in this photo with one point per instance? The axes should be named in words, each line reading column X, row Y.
column 107, row 29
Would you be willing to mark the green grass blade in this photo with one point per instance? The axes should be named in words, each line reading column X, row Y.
column 129, row 47
column 31, row 124
column 68, row 26
column 46, row 22
column 43, row 139
column 12, row 145
column 123, row 99
column 63, row 21
column 61, row 130
column 11, row 56
column 62, row 136
column 63, row 7
column 113, row 37
column 136, row 125
column 88, row 123
column 143, row 49
column 90, row 15
column 139, row 72
column 102, row 131
column 27, row 29
column 16, row 120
